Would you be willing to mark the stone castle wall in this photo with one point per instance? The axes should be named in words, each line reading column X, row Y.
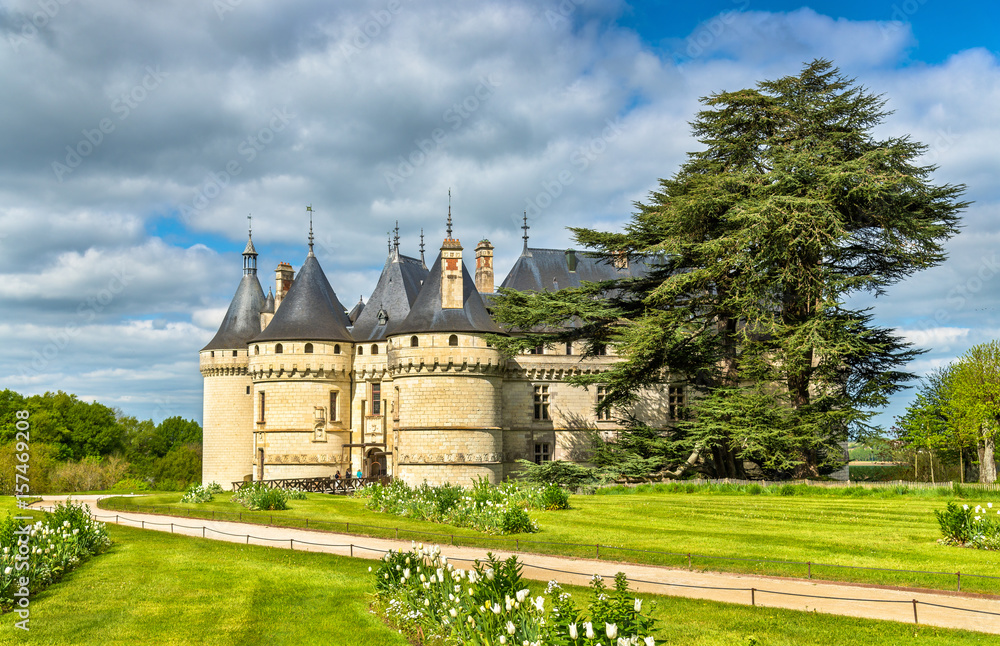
column 227, row 444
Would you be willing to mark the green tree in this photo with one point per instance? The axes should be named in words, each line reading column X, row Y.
column 974, row 401
column 754, row 246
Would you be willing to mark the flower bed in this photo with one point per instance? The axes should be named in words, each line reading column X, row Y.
column 499, row 509
column 57, row 544
column 977, row 527
column 198, row 493
column 422, row 594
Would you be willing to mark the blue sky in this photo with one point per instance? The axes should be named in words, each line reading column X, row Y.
column 137, row 137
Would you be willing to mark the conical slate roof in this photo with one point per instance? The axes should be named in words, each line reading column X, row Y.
column 389, row 304
column 242, row 320
column 356, row 310
column 427, row 315
column 268, row 303
column 310, row 310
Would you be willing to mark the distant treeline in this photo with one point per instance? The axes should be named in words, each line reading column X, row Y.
column 80, row 446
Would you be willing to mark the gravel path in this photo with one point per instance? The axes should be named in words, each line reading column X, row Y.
column 872, row 602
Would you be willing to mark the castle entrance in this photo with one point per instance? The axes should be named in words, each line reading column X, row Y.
column 375, row 464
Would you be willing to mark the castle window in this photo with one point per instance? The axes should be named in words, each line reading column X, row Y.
column 376, row 399
column 603, row 415
column 538, row 349
column 256, row 349
column 248, row 390
column 213, row 354
column 361, row 350
column 334, row 416
column 234, row 353
column 278, row 349
column 260, row 416
column 414, row 342
column 542, row 453
column 309, row 348
column 541, row 402
column 453, row 340
column 569, row 347
column 336, row 349
column 601, row 350
column 374, row 348
column 675, row 402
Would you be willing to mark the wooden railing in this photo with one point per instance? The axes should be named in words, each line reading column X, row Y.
column 325, row 484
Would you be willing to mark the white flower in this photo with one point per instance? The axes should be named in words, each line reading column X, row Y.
column 650, row 641
column 638, row 604
column 965, row 507
column 502, row 640
column 423, row 579
column 522, row 595
column 453, row 612
column 989, row 505
column 369, row 568
column 611, row 630
column 510, row 628
column 7, row 571
column 588, row 628
column 540, row 603
column 406, row 573
column 496, row 608
column 427, row 602
column 572, row 631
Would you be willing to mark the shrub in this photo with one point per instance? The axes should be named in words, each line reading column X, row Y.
column 131, row 484
column 197, row 493
column 554, row 497
column 258, row 496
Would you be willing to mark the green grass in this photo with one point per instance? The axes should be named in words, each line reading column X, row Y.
column 163, row 589
column 897, row 532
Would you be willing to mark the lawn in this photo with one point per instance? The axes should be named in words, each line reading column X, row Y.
column 163, row 589
column 898, row 532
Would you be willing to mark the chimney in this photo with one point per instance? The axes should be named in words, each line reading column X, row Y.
column 283, row 277
column 451, row 274
column 484, row 267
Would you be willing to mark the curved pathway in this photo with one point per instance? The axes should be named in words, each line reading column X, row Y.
column 871, row 602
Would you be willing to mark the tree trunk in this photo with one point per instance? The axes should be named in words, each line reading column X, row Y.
column 961, row 465
column 931, row 454
column 987, row 461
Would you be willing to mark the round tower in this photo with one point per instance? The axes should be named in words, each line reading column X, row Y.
column 447, row 381
column 227, row 444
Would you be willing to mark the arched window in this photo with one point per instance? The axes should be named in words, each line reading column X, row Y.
column 374, row 348
column 453, row 339
column 361, row 349
column 309, row 348
column 414, row 342
column 278, row 349
column 256, row 349
column 336, row 349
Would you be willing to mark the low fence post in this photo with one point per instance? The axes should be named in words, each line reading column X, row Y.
column 753, row 596
column 203, row 531
column 959, row 575
column 517, row 544
column 915, row 611
column 453, row 540
column 598, row 551
column 809, row 563
column 689, row 560
column 291, row 544
column 397, row 533
column 352, row 550
column 142, row 524
column 348, row 530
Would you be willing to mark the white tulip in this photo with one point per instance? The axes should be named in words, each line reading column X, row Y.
column 588, row 629
column 611, row 630
column 572, row 631
column 638, row 604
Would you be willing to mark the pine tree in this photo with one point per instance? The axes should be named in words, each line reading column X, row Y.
column 754, row 245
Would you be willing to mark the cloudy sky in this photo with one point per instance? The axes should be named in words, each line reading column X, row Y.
column 136, row 137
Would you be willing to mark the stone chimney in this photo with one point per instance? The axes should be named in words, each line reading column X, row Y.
column 283, row 277
column 451, row 275
column 484, row 267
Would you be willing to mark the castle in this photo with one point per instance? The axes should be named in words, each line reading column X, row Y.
column 405, row 384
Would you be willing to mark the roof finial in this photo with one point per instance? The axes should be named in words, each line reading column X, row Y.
column 395, row 238
column 422, row 246
column 310, row 210
column 388, row 240
column 449, row 213
column 525, row 227
column 250, row 225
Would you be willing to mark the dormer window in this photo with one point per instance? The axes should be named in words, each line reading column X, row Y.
column 383, row 317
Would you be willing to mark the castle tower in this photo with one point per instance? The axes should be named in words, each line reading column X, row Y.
column 300, row 420
column 227, row 440
column 447, row 381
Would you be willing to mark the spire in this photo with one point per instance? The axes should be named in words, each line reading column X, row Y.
column 422, row 247
column 395, row 242
column 309, row 209
column 525, row 236
column 249, row 253
column 449, row 213
column 388, row 241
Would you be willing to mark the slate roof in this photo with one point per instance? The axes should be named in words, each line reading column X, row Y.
column 356, row 310
column 396, row 291
column 242, row 320
column 427, row 315
column 268, row 303
column 310, row 310
column 536, row 269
